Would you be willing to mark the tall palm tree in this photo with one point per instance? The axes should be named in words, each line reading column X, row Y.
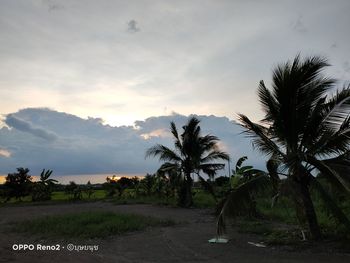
column 304, row 129
column 193, row 153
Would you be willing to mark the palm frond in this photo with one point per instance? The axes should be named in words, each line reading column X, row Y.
column 175, row 133
column 205, row 167
column 260, row 135
column 168, row 167
column 268, row 102
column 163, row 152
column 215, row 155
column 329, row 170
column 338, row 109
column 240, row 161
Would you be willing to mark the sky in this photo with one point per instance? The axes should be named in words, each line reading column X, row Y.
column 119, row 63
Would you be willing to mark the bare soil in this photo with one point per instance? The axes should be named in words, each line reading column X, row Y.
column 187, row 241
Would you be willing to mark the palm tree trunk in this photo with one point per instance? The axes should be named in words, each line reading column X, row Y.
column 185, row 197
column 309, row 210
column 188, row 186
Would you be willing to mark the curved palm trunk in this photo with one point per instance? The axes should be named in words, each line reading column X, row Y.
column 309, row 209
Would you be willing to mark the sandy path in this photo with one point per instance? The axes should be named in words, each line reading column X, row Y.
column 185, row 242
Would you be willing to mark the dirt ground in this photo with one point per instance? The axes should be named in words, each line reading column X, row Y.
column 184, row 242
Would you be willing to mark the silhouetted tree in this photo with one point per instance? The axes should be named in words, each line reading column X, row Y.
column 304, row 129
column 74, row 191
column 42, row 189
column 146, row 184
column 111, row 186
column 193, row 154
column 89, row 190
column 18, row 184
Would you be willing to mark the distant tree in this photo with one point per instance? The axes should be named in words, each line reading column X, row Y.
column 123, row 183
column 89, row 190
column 146, row 184
column 110, row 186
column 135, row 181
column 42, row 189
column 18, row 184
column 74, row 191
column 160, row 184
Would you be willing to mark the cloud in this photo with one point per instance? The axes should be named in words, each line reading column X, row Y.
column 299, row 25
column 132, row 26
column 5, row 153
column 156, row 133
column 25, row 126
column 87, row 146
column 53, row 5
column 203, row 59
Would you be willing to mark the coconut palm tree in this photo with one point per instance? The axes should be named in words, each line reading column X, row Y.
column 304, row 130
column 193, row 153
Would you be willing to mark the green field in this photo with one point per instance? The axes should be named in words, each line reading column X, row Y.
column 283, row 212
column 88, row 224
column 201, row 199
column 60, row 196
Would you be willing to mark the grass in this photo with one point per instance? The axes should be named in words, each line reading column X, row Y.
column 279, row 224
column 59, row 196
column 283, row 210
column 145, row 200
column 269, row 232
column 62, row 196
column 202, row 199
column 84, row 225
